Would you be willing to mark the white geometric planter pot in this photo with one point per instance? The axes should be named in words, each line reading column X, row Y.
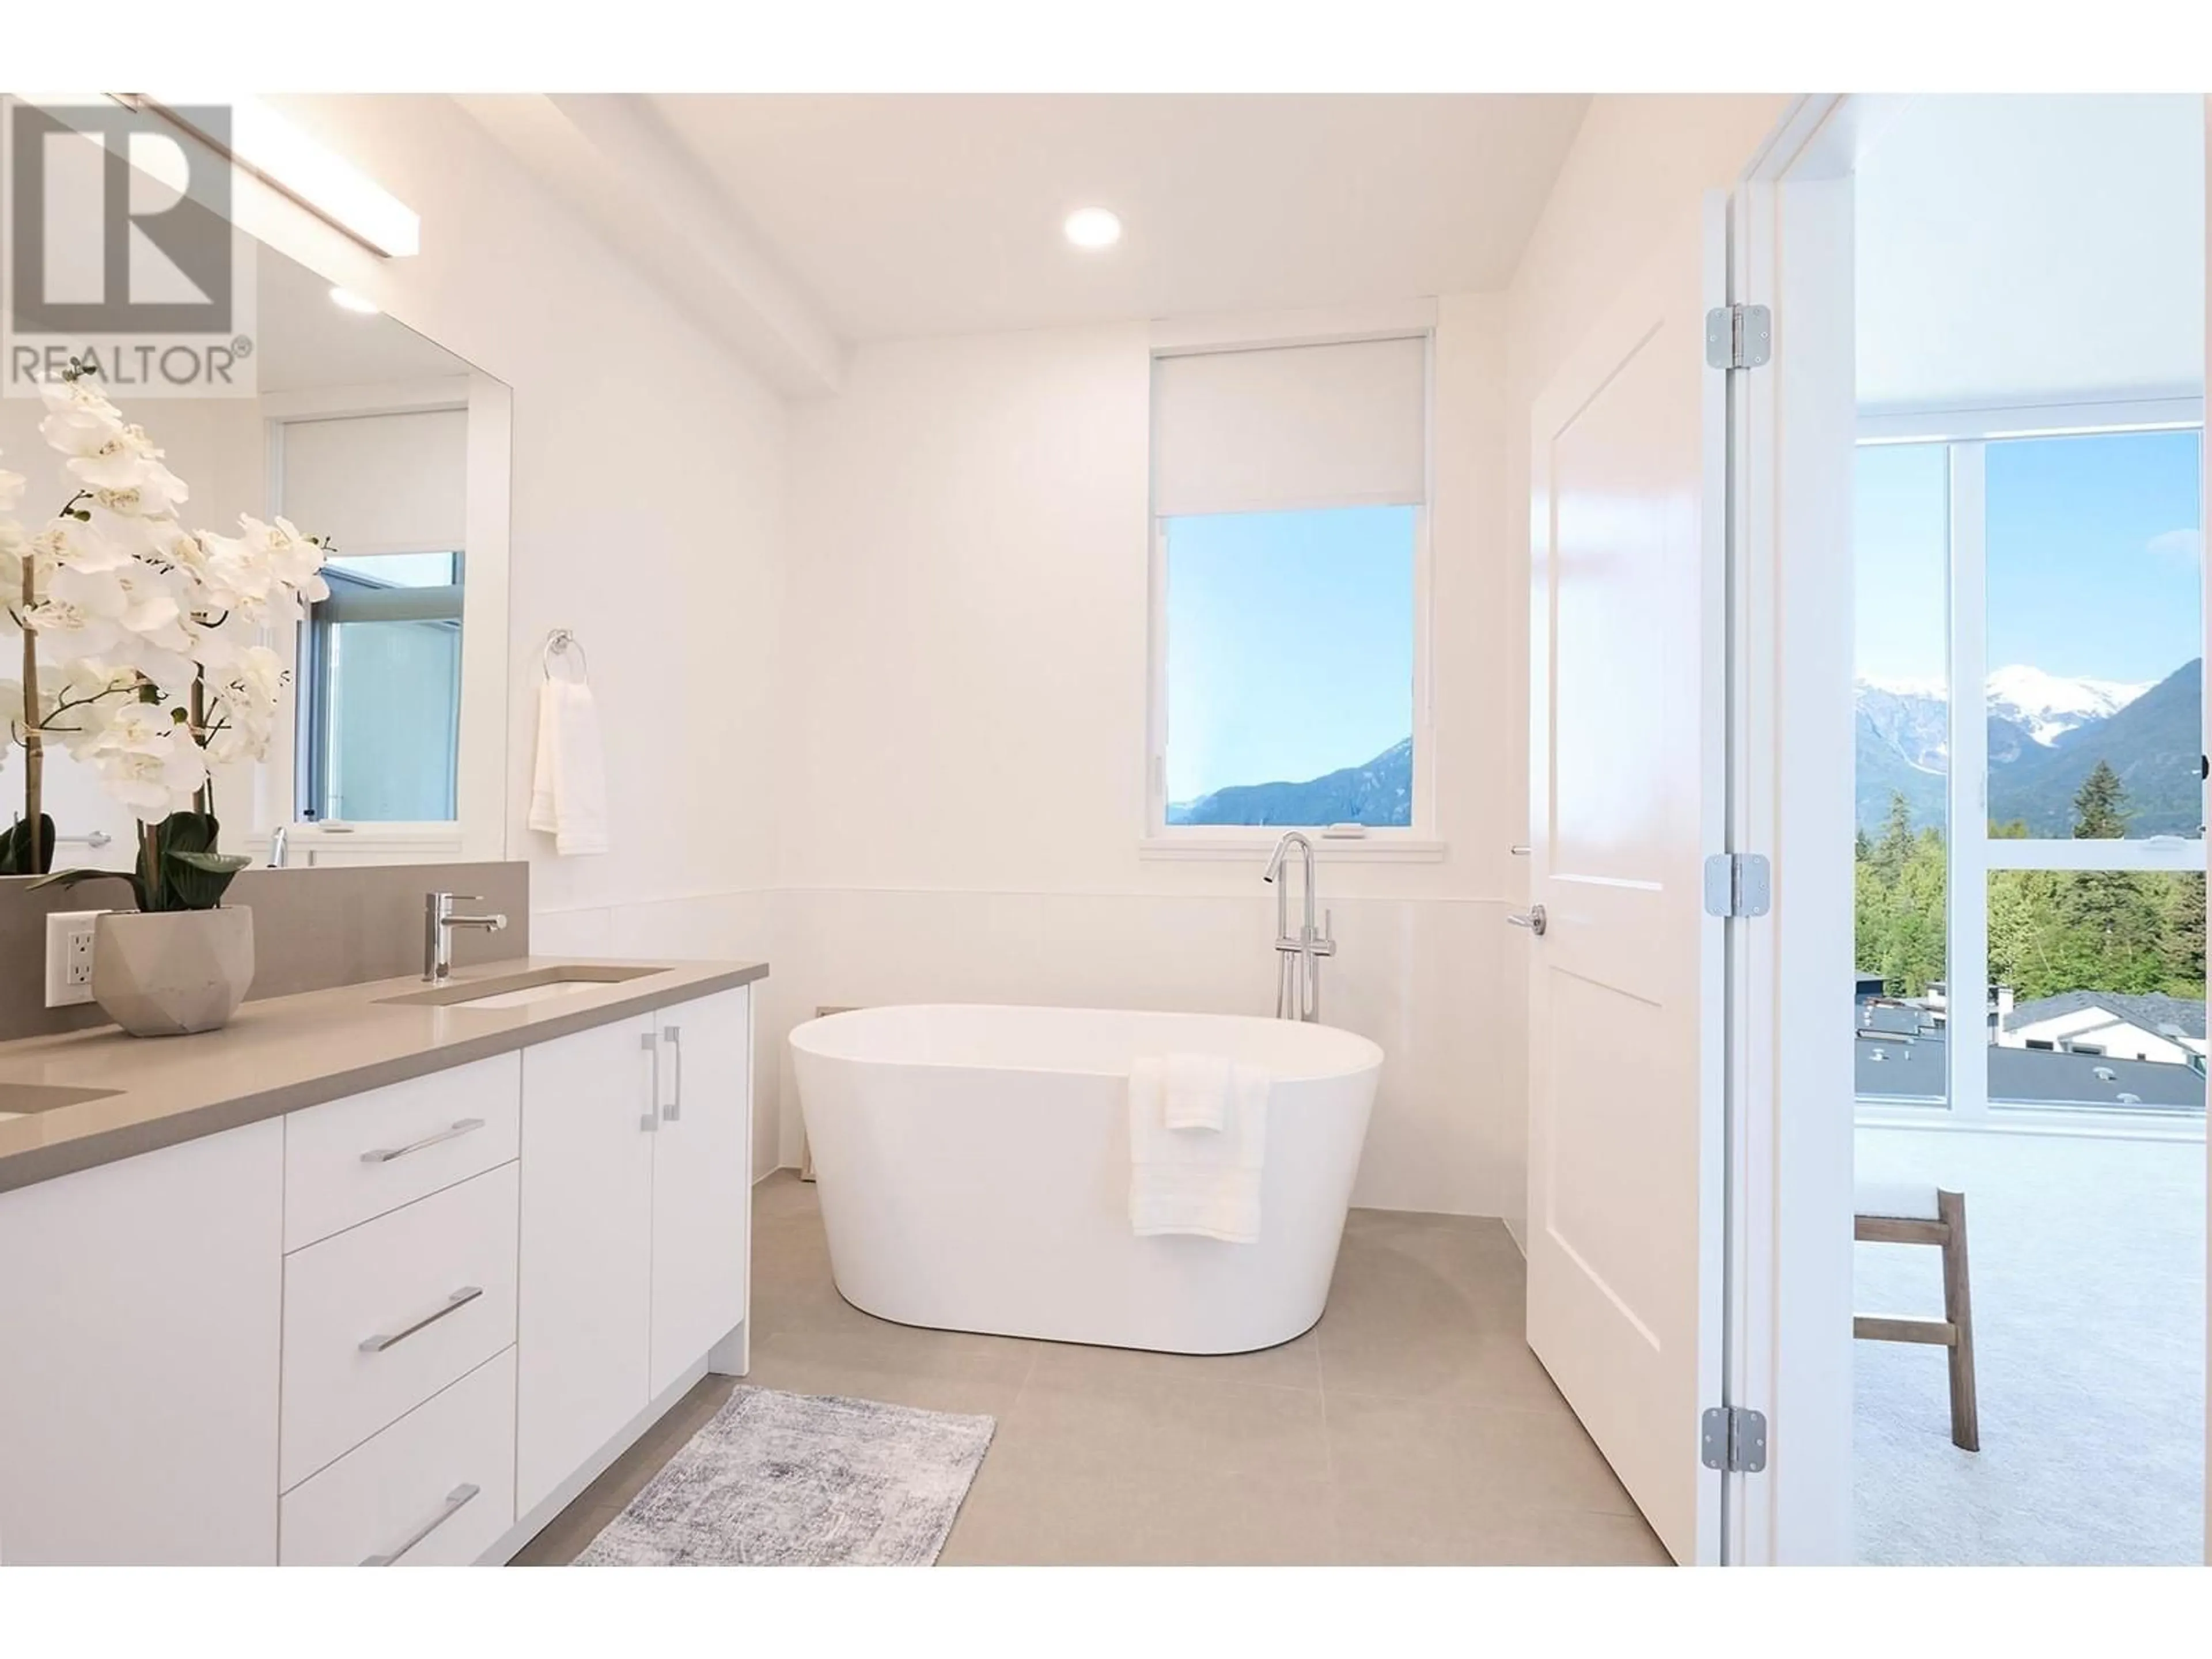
column 167, row 973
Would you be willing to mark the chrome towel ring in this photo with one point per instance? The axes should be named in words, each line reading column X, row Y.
column 562, row 643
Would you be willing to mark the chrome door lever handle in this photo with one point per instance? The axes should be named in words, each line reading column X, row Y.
column 1532, row 919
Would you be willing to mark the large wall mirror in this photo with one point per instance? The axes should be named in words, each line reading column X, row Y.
column 390, row 745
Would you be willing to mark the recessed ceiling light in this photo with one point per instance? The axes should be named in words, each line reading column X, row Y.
column 1092, row 228
column 347, row 300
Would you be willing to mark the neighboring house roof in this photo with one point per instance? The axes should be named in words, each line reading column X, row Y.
column 1913, row 1068
column 2149, row 1011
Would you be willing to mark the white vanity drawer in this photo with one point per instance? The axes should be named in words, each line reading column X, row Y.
column 435, row 1489
column 351, row 1159
column 380, row 1318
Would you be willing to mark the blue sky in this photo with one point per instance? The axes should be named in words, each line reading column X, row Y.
column 1290, row 644
column 2094, row 561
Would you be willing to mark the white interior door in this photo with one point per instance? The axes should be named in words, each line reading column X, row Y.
column 1627, row 695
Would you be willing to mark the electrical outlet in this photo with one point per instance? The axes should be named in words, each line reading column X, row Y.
column 68, row 956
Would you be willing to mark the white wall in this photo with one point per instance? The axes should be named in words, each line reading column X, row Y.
column 649, row 469
column 966, row 681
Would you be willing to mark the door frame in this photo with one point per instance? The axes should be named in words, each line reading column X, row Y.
column 1792, row 1125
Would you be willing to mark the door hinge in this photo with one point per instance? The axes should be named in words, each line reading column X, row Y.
column 1733, row 1438
column 1738, row 337
column 1739, row 884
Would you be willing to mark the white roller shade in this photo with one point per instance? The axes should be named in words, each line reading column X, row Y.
column 1290, row 427
column 380, row 481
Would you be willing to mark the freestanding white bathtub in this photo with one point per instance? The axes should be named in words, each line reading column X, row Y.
column 974, row 1169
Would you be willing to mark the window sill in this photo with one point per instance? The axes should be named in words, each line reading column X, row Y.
column 1239, row 848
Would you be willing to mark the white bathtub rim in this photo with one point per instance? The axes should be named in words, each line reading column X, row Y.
column 1371, row 1051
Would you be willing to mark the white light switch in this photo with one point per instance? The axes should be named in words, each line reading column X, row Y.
column 68, row 956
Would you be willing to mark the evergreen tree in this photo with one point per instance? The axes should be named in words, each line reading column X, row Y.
column 2101, row 805
column 2048, row 930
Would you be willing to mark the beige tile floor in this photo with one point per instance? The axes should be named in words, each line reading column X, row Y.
column 1412, row 1426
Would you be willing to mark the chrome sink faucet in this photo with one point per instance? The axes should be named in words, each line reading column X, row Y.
column 1297, row 971
column 438, row 924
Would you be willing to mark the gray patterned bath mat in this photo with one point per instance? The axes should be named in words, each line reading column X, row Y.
column 802, row 1480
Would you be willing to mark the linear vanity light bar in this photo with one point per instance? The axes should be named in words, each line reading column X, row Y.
column 302, row 170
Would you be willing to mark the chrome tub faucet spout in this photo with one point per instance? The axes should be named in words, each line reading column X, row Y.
column 1298, row 957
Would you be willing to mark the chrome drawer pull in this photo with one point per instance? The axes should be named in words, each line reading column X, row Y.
column 385, row 1154
column 455, row 1501
column 459, row 1298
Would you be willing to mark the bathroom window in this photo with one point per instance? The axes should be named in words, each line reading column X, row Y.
column 1289, row 613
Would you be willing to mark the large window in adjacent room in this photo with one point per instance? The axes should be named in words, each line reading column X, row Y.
column 1289, row 593
column 2030, row 861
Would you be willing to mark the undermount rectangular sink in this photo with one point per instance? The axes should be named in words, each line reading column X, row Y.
column 565, row 979
column 22, row 1099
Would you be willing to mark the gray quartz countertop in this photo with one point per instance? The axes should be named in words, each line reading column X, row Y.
column 82, row 1098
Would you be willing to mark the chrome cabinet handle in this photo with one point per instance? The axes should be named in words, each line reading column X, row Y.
column 459, row 1299
column 456, row 1500
column 385, row 1154
column 1519, row 849
column 672, row 1037
column 650, row 1122
column 1532, row 919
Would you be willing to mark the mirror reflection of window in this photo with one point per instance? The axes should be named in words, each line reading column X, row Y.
column 379, row 667
column 380, row 691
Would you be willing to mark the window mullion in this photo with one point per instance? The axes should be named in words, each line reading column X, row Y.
column 1967, row 931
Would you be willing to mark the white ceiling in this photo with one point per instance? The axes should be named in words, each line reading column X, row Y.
column 2031, row 249
column 907, row 216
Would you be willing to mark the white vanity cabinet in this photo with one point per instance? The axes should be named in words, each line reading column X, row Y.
column 588, row 1117
column 636, row 1211
column 139, row 1326
column 702, row 1179
column 397, row 1327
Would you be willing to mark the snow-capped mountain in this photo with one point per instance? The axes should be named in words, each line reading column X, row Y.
column 2045, row 733
column 2050, row 706
column 2044, row 706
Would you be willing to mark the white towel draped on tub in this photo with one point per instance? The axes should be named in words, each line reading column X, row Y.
column 568, row 792
column 1200, row 1180
column 1198, row 1091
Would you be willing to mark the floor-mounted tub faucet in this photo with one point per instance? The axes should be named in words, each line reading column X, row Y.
column 1298, row 973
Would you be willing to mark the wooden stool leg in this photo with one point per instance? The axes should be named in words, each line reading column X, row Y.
column 1958, row 1312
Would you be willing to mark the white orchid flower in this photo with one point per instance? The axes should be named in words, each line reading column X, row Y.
column 294, row 559
column 73, row 544
column 116, row 613
column 156, row 493
column 247, row 696
column 146, row 758
column 14, row 546
column 79, row 421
